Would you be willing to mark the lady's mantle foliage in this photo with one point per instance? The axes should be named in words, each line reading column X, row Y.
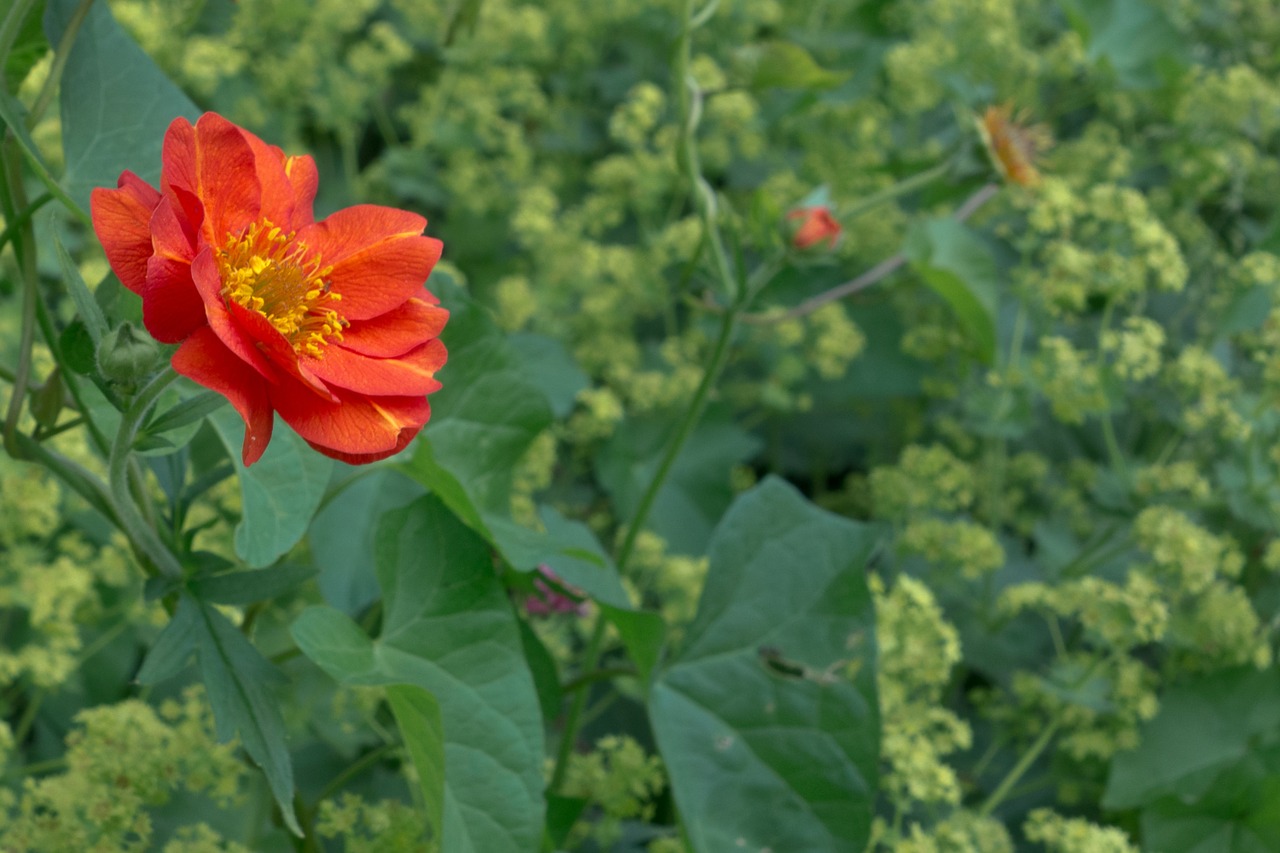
column 327, row 323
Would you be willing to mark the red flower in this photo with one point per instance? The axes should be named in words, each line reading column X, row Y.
column 817, row 225
column 327, row 323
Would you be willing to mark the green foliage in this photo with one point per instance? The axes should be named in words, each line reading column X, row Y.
column 1023, row 588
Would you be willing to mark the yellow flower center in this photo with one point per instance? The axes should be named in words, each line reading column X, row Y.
column 266, row 270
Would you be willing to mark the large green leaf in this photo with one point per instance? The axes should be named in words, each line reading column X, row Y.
column 1230, row 714
column 342, row 535
column 116, row 104
column 448, row 628
column 695, row 493
column 960, row 268
column 279, row 493
column 757, row 707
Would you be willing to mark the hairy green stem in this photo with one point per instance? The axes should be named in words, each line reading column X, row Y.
column 25, row 251
column 143, row 536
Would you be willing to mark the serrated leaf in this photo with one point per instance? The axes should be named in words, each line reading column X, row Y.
column 959, row 267
column 788, row 580
column 239, row 684
column 449, row 629
column 279, row 493
column 116, row 103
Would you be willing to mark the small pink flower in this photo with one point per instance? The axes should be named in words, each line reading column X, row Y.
column 548, row 599
column 817, row 225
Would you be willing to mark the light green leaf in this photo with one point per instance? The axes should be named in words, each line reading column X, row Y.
column 279, row 493
column 87, row 308
column 642, row 633
column 786, row 65
column 116, row 104
column 418, row 715
column 960, row 268
column 449, row 629
column 786, row 582
column 1134, row 39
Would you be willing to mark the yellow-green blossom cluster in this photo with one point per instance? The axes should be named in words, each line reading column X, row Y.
column 122, row 759
column 1135, row 348
column 926, row 478
column 962, row 831
column 917, row 649
column 1210, row 394
column 384, row 826
column 1069, row 380
column 963, row 545
column 1060, row 834
column 620, row 779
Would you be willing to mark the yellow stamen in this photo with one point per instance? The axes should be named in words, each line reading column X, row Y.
column 267, row 270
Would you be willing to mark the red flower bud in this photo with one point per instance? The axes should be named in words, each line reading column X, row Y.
column 817, row 225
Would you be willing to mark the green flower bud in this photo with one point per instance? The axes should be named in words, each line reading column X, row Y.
column 126, row 356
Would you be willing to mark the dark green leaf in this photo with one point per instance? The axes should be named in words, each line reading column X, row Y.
column 960, row 268
column 172, row 648
column 547, row 364
column 787, row 581
column 116, row 104
column 239, row 682
column 546, row 676
column 341, row 536
column 186, row 412
column 29, row 46
column 1229, row 712
column 568, row 548
column 239, row 588
column 87, row 308
column 448, row 628
column 418, row 715
column 78, row 350
column 279, row 493
column 642, row 633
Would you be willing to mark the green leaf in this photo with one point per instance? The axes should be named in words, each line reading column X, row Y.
column 186, row 412
column 642, row 633
column 1132, row 38
column 27, row 50
column 547, row 364
column 786, row 65
column 449, row 629
column 959, row 267
column 87, row 308
column 568, row 548
column 78, row 351
column 418, row 715
column 116, row 104
column 279, row 493
column 240, row 588
column 1230, row 713
column 239, row 682
column 546, row 676
column 786, row 581
column 1240, row 813
column 695, row 493
column 172, row 649
column 341, row 535
column 483, row 419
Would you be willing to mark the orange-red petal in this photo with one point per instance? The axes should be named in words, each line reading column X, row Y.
column 208, row 281
column 121, row 219
column 215, row 163
column 205, row 359
column 355, row 424
column 411, row 373
column 171, row 307
column 398, row 330
column 377, row 256
column 402, row 441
